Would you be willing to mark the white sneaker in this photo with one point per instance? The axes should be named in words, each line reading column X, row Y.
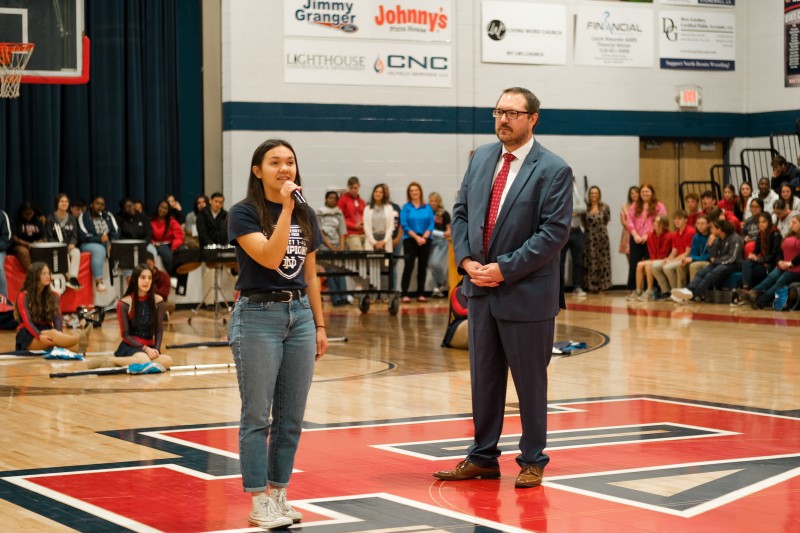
column 265, row 513
column 682, row 294
column 633, row 296
column 283, row 505
column 99, row 286
column 578, row 292
column 646, row 296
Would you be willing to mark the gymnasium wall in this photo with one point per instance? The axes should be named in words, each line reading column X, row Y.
column 591, row 116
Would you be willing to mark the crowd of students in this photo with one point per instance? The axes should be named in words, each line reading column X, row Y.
column 419, row 232
column 757, row 235
column 92, row 228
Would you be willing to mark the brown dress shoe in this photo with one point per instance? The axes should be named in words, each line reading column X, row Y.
column 466, row 470
column 529, row 476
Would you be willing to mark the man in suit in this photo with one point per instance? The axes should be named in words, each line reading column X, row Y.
column 510, row 222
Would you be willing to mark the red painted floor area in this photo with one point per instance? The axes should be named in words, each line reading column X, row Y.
column 734, row 471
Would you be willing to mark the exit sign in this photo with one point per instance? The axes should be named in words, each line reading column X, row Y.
column 689, row 98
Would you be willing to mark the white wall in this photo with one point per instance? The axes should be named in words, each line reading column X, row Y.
column 252, row 72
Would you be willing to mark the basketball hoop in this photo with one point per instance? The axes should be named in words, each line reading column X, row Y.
column 13, row 59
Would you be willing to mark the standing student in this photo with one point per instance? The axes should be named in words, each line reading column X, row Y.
column 440, row 243
column 641, row 216
column 417, row 220
column 625, row 237
column 352, row 207
column 277, row 329
column 333, row 231
column 510, row 221
column 597, row 251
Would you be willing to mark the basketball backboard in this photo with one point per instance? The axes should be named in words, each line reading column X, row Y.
column 55, row 27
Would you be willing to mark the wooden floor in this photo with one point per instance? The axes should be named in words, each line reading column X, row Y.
column 674, row 417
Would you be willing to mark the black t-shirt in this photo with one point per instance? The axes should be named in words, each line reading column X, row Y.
column 243, row 220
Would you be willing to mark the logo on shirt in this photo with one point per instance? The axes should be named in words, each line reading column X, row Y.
column 295, row 256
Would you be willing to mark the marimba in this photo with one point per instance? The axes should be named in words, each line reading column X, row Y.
column 368, row 266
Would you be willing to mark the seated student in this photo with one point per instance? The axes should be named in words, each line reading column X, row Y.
column 750, row 229
column 698, row 256
column 77, row 207
column 767, row 195
column 786, row 272
column 708, row 201
column 190, row 225
column 27, row 230
column 729, row 199
column 62, row 227
column 782, row 171
column 792, row 201
column 161, row 279
column 212, row 222
column 781, row 217
column 141, row 317
column 96, row 229
column 692, row 201
column 666, row 272
column 764, row 256
column 167, row 234
column 659, row 244
column 726, row 258
column 5, row 243
column 742, row 207
column 38, row 312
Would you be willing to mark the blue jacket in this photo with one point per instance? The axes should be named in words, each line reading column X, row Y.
column 87, row 233
column 699, row 251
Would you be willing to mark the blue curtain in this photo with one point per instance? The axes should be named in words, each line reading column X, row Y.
column 134, row 130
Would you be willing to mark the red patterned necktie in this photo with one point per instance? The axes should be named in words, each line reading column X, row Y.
column 494, row 202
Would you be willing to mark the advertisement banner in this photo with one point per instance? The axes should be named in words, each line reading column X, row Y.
column 791, row 40
column 534, row 34
column 613, row 36
column 332, row 62
column 701, row 3
column 405, row 20
column 693, row 40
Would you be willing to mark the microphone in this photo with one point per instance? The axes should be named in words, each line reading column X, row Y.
column 298, row 198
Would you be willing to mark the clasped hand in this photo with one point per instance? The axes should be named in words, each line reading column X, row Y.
column 484, row 275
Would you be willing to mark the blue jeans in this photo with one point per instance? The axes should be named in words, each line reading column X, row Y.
column 775, row 280
column 3, row 282
column 337, row 284
column 165, row 252
column 437, row 263
column 98, row 251
column 274, row 347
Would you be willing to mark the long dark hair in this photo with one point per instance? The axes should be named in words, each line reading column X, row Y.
column 133, row 292
column 255, row 191
column 766, row 236
column 44, row 303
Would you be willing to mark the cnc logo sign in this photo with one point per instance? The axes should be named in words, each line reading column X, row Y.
column 668, row 464
column 411, row 65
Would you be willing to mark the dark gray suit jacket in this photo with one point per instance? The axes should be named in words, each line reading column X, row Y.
column 532, row 227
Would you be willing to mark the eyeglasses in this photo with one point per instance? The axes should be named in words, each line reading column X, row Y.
column 511, row 114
